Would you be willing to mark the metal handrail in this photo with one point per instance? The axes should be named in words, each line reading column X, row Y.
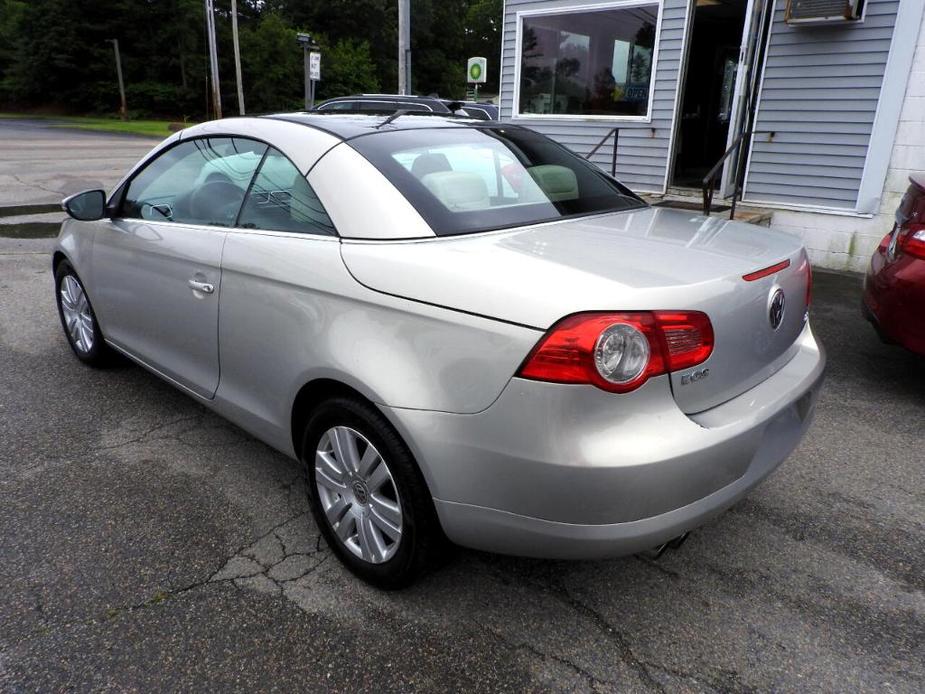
column 709, row 181
column 615, row 132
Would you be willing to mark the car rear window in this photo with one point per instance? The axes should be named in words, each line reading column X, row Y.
column 466, row 180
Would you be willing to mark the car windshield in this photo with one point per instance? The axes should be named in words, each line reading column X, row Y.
column 464, row 180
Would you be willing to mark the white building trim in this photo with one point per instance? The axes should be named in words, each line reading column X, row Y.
column 886, row 119
column 571, row 9
column 678, row 92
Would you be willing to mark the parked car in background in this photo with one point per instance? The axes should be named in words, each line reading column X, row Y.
column 385, row 103
column 894, row 286
column 389, row 103
column 462, row 329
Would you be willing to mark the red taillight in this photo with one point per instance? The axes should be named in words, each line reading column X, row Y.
column 913, row 241
column 570, row 352
column 885, row 242
column 688, row 337
column 809, row 280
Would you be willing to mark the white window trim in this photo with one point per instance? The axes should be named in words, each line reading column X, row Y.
column 758, row 104
column 678, row 89
column 516, row 115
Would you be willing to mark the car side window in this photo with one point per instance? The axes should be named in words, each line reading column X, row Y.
column 202, row 181
column 282, row 200
column 337, row 106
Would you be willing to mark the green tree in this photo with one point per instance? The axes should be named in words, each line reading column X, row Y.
column 271, row 63
column 54, row 54
column 438, row 47
column 373, row 21
column 11, row 15
column 484, row 20
column 346, row 68
column 49, row 53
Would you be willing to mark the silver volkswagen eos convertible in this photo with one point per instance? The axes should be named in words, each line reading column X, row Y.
column 462, row 329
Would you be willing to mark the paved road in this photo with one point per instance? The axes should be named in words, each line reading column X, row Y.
column 147, row 544
column 41, row 163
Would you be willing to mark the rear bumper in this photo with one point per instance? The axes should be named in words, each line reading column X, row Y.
column 894, row 299
column 509, row 533
column 573, row 472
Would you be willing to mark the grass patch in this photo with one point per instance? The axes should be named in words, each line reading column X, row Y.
column 148, row 128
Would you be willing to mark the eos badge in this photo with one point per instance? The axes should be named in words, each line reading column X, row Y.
column 694, row 376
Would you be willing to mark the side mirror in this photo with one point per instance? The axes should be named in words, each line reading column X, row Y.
column 87, row 206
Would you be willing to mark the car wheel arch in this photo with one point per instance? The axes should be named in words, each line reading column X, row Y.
column 310, row 396
column 319, row 390
column 56, row 260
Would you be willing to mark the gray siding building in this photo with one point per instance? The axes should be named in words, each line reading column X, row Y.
column 811, row 89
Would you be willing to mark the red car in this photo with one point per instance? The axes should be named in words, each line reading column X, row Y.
column 894, row 288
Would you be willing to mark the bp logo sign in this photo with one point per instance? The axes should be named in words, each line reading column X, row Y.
column 476, row 69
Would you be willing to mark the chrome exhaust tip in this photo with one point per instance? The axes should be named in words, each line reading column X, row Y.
column 674, row 543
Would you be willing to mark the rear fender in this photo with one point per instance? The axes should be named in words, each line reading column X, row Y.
column 290, row 313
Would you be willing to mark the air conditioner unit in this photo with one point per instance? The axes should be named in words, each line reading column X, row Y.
column 823, row 11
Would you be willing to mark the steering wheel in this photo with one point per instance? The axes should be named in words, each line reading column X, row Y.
column 215, row 201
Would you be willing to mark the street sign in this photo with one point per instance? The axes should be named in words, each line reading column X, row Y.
column 314, row 66
column 476, row 70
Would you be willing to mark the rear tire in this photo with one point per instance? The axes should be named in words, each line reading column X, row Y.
column 368, row 496
column 78, row 319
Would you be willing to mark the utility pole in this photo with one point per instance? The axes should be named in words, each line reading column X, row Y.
column 309, row 97
column 213, row 60
column 123, row 109
column 404, row 46
column 237, row 55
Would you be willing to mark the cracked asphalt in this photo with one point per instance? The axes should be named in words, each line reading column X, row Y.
column 43, row 162
column 146, row 544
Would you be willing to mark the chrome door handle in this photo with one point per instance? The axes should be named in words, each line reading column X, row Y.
column 203, row 287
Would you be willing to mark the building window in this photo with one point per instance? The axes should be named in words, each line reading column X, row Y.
column 591, row 63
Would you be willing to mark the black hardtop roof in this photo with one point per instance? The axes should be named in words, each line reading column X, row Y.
column 348, row 125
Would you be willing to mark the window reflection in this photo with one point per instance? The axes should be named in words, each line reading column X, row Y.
column 588, row 63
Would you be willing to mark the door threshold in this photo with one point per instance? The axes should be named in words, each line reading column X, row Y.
column 744, row 212
column 689, row 205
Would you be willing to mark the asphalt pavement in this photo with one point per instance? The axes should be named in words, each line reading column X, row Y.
column 42, row 162
column 146, row 544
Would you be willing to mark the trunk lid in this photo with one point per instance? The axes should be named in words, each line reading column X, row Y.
column 645, row 259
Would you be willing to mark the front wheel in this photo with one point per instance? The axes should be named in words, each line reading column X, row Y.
column 81, row 328
column 368, row 496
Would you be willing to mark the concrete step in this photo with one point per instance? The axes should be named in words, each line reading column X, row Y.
column 31, row 226
column 36, row 208
column 720, row 207
column 681, row 192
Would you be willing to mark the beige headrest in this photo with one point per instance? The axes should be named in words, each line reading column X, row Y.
column 458, row 190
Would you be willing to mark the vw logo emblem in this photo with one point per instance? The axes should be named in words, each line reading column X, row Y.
column 776, row 309
column 360, row 493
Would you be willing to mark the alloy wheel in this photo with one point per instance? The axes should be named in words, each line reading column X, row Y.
column 358, row 495
column 78, row 319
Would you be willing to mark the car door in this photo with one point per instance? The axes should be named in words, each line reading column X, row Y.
column 157, row 264
column 283, row 302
